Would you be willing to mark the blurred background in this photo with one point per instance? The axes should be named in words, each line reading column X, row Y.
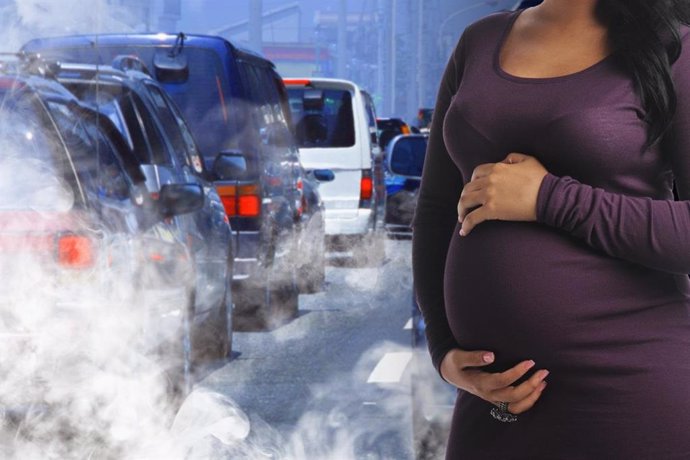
column 395, row 49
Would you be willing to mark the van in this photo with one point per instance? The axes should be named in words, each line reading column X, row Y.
column 335, row 128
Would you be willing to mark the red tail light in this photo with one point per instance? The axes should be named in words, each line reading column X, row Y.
column 405, row 129
column 249, row 205
column 241, row 200
column 75, row 251
column 366, row 189
column 297, row 81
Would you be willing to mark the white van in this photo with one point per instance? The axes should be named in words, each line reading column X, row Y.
column 335, row 128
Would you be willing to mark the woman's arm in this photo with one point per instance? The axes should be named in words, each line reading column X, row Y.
column 653, row 233
column 435, row 218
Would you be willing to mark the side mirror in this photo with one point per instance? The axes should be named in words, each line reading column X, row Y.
column 170, row 68
column 176, row 199
column 230, row 165
column 324, row 175
column 406, row 155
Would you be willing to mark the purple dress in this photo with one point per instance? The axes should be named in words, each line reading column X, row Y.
column 596, row 291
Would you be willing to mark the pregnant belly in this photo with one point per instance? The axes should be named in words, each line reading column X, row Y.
column 524, row 290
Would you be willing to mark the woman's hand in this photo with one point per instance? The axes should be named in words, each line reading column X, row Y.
column 461, row 368
column 501, row 191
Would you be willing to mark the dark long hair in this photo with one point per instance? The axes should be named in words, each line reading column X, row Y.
column 646, row 40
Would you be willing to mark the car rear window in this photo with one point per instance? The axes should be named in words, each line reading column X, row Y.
column 31, row 166
column 322, row 117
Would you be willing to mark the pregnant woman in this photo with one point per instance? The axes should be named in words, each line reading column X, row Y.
column 548, row 247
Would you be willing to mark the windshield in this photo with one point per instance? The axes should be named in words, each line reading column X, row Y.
column 323, row 118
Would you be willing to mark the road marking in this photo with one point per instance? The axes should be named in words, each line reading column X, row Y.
column 408, row 325
column 390, row 368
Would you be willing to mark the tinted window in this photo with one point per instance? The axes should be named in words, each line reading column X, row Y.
column 371, row 113
column 323, row 118
column 95, row 161
column 175, row 128
column 154, row 137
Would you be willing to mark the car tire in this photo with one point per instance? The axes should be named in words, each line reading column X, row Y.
column 312, row 278
column 181, row 374
column 370, row 250
column 269, row 305
column 312, row 274
column 225, row 328
column 281, row 305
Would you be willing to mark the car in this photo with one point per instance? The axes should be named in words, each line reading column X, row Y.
column 167, row 152
column 388, row 128
column 335, row 128
column 81, row 241
column 230, row 98
column 403, row 154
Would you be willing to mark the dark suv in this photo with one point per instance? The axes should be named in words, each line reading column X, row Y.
column 231, row 100
column 166, row 152
column 88, row 260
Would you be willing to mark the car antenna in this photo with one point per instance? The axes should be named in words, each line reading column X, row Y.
column 178, row 46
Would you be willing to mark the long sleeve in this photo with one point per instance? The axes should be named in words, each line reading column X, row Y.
column 436, row 217
column 653, row 233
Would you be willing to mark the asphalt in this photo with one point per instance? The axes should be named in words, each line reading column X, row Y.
column 334, row 383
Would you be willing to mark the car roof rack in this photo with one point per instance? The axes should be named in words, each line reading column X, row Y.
column 31, row 63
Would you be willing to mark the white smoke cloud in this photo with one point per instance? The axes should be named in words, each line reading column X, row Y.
column 26, row 19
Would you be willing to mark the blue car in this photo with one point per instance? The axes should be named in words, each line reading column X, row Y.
column 402, row 191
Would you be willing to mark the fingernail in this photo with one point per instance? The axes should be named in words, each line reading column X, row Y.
column 543, row 374
column 462, row 232
column 488, row 358
column 530, row 364
column 542, row 386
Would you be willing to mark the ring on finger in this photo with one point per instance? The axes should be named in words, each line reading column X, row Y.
column 501, row 413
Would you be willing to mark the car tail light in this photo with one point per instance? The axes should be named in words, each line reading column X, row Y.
column 405, row 129
column 240, row 200
column 75, row 251
column 297, row 81
column 366, row 188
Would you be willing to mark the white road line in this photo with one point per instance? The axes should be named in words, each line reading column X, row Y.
column 408, row 325
column 390, row 368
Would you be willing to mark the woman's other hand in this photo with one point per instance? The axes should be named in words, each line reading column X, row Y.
column 462, row 369
column 501, row 191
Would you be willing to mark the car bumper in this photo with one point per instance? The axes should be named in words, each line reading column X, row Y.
column 249, row 267
column 357, row 222
column 394, row 230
